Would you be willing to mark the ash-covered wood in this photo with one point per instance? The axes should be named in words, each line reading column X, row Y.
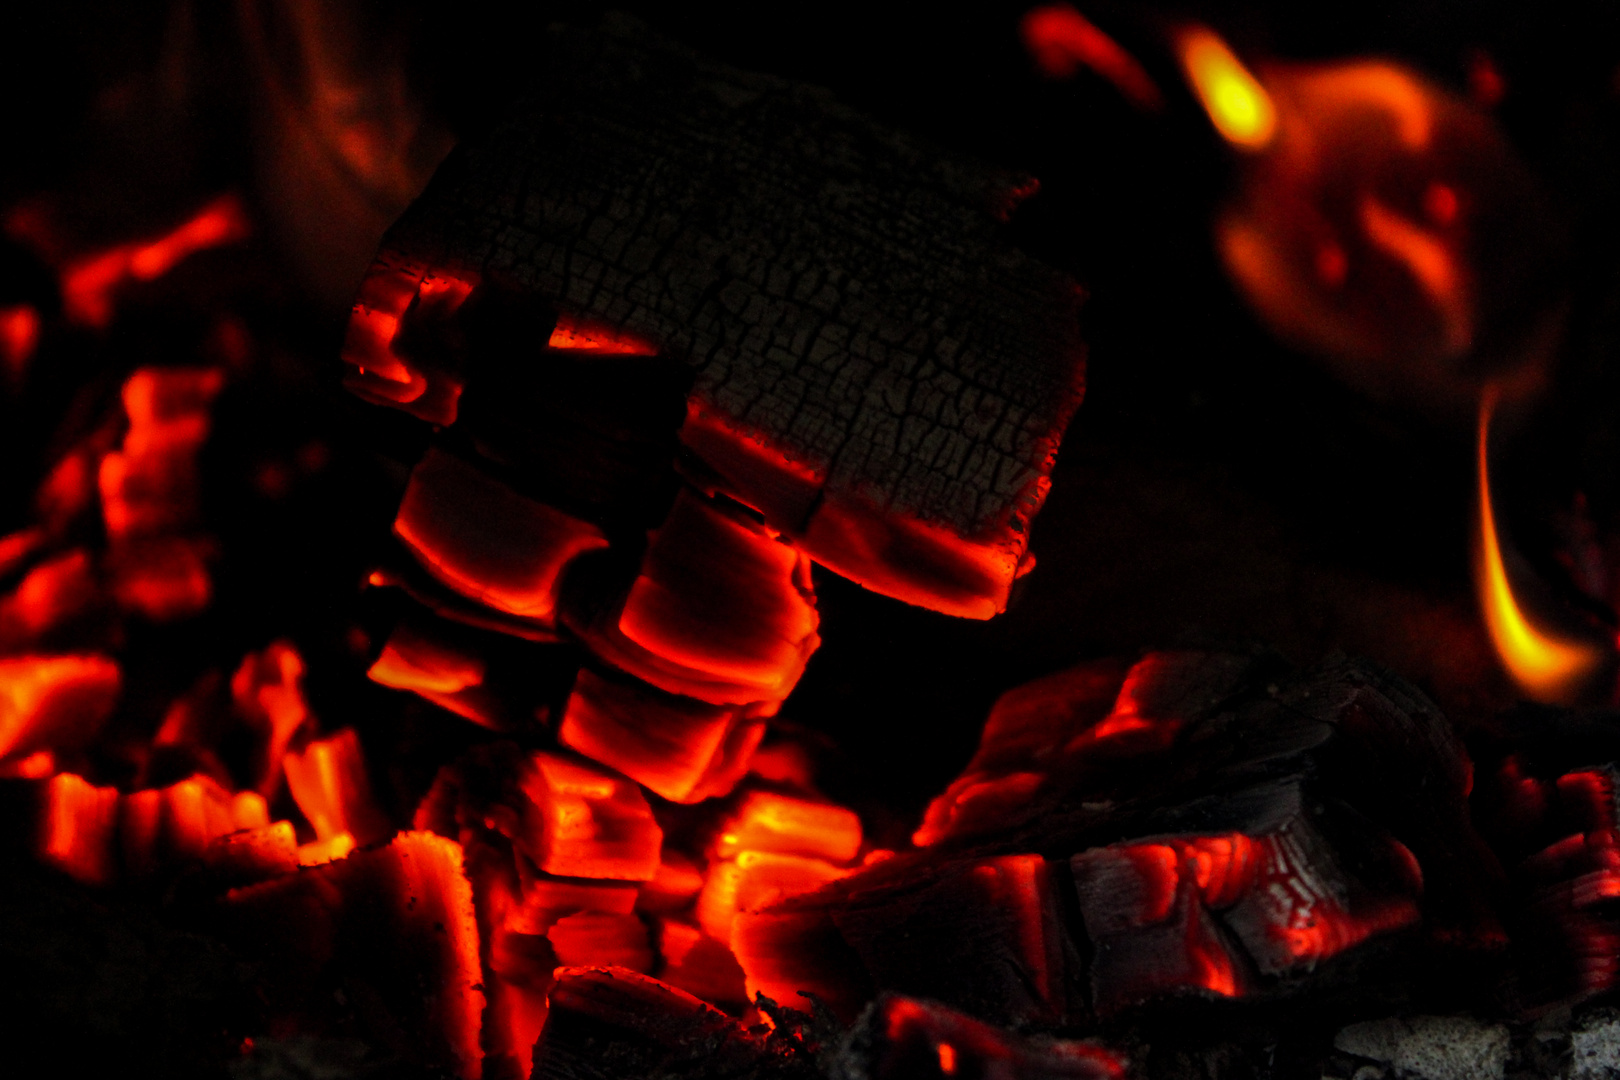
column 877, row 369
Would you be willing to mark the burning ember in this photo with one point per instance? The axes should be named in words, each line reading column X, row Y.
column 1237, row 104
column 552, row 703
column 1547, row 666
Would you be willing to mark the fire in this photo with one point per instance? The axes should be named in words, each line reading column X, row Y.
column 1547, row 667
column 90, row 285
column 1367, row 199
column 1237, row 104
column 328, row 781
column 1061, row 40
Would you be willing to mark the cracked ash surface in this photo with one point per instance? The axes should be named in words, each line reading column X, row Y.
column 844, row 292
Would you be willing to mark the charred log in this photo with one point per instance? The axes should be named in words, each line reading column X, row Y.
column 876, row 370
column 1548, row 803
column 1200, row 827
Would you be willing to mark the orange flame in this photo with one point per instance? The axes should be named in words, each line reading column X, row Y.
column 1546, row 667
column 1237, row 104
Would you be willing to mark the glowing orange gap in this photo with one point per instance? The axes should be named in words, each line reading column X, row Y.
column 1547, row 668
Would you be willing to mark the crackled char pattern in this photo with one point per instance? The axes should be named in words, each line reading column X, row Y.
column 841, row 290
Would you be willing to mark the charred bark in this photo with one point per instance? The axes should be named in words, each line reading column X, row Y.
column 1200, row 828
column 876, row 369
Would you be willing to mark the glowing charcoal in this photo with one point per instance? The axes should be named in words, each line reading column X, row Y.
column 674, row 887
column 912, row 560
column 754, row 880
column 594, row 937
column 786, row 763
column 1072, row 725
column 268, row 693
column 1568, row 930
column 249, row 810
column 68, row 490
column 380, row 370
column 784, row 491
column 654, row 1028
column 721, row 611
column 690, row 960
column 1588, row 797
column 77, row 830
column 1152, row 935
column 521, row 965
column 881, row 927
column 546, row 899
column 785, row 952
column 976, row 803
column 54, row 702
column 1297, row 916
column 17, row 548
column 396, row 919
column 925, row 564
column 668, row 744
column 90, row 285
column 51, row 596
column 478, row 792
column 254, row 854
column 328, row 781
column 1222, row 867
column 904, row 1037
column 582, row 822
column 150, row 485
column 164, row 828
column 326, row 849
column 163, row 578
column 487, row 542
column 1164, row 913
column 730, row 765
column 441, row 672
column 931, row 473
column 768, row 821
column 40, row 765
column 1062, row 41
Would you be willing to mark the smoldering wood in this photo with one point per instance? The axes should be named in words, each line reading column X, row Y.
column 1548, row 803
column 1336, row 772
column 841, row 290
column 612, row 1024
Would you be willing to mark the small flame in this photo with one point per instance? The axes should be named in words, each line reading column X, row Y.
column 1237, row 104
column 1546, row 667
